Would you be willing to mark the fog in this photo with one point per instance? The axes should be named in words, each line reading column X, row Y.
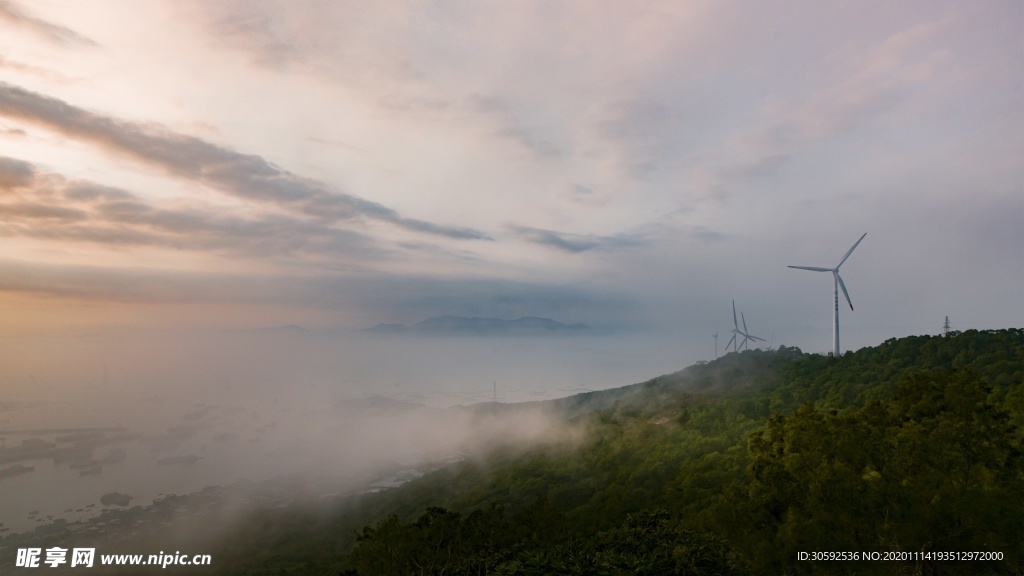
column 149, row 415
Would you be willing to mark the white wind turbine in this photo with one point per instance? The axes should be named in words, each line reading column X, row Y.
column 837, row 281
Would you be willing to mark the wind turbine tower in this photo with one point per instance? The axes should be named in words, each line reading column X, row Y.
column 837, row 282
column 716, row 345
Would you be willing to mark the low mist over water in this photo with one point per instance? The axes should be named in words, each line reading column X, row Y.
column 164, row 414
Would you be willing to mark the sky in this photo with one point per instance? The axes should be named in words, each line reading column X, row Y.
column 634, row 166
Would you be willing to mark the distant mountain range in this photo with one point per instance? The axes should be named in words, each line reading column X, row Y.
column 463, row 325
column 286, row 329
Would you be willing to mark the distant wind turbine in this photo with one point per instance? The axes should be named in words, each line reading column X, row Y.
column 715, row 336
column 735, row 329
column 837, row 282
column 746, row 333
column 737, row 332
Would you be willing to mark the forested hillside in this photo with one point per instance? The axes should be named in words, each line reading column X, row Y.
column 911, row 448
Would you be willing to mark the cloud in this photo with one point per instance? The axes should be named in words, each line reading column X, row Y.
column 14, row 14
column 638, row 130
column 499, row 115
column 522, row 136
column 387, row 57
column 859, row 92
column 576, row 243
column 136, row 284
column 21, row 210
column 267, row 33
column 577, row 193
column 47, row 206
column 34, row 70
column 245, row 176
column 90, row 191
column 15, row 173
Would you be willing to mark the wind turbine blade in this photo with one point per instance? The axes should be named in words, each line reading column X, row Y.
column 815, row 268
column 850, row 251
column 744, row 324
column 845, row 293
column 734, row 323
column 756, row 338
column 731, row 340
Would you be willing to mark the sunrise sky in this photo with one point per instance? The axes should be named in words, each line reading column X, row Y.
column 634, row 166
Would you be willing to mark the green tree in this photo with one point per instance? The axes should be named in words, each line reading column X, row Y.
column 937, row 469
column 653, row 544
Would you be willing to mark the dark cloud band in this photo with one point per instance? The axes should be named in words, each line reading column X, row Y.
column 41, row 205
column 13, row 13
column 576, row 243
column 245, row 176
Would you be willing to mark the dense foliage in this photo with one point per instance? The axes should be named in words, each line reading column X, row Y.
column 735, row 466
column 534, row 542
column 937, row 468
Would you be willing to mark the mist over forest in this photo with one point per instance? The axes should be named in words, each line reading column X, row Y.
column 172, row 413
column 751, row 457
